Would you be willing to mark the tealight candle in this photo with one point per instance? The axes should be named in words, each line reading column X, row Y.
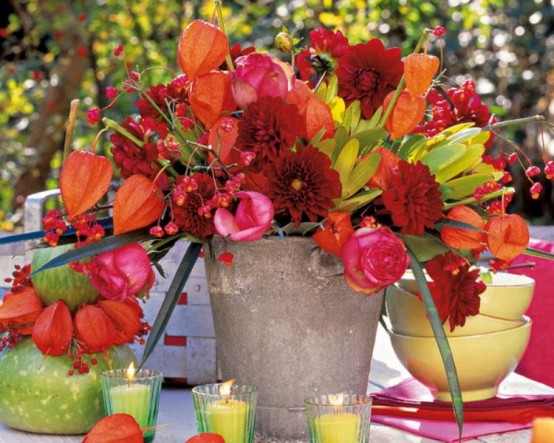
column 338, row 428
column 227, row 410
column 137, row 394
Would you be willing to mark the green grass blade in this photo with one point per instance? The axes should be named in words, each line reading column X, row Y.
column 170, row 301
column 442, row 342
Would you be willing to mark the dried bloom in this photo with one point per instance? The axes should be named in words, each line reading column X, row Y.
column 302, row 183
column 368, row 72
column 455, row 292
column 413, row 198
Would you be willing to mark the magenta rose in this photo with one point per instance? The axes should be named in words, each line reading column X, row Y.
column 252, row 218
column 373, row 259
column 122, row 272
column 258, row 75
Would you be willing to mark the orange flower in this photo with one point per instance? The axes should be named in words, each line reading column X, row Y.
column 460, row 238
column 137, row 203
column 419, row 70
column 53, row 329
column 20, row 308
column 336, row 230
column 115, row 428
column 84, row 179
column 202, row 48
column 508, row 236
column 408, row 111
column 211, row 95
column 94, row 329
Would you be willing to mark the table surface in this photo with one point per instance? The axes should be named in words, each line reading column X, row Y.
column 176, row 415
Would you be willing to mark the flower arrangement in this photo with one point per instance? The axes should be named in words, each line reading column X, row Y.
column 372, row 155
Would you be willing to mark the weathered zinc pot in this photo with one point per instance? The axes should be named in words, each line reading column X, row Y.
column 286, row 321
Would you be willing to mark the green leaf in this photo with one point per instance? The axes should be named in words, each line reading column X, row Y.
column 356, row 202
column 170, row 301
column 370, row 137
column 425, row 246
column 463, row 186
column 442, row 342
column 443, row 156
column 327, row 146
column 347, row 159
column 411, row 146
column 332, row 89
column 361, row 174
column 352, row 116
column 341, row 138
column 540, row 254
column 317, row 137
column 303, row 229
column 106, row 244
column 463, row 136
column 472, row 154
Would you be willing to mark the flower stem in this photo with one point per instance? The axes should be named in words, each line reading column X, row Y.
column 70, row 128
column 470, row 200
column 221, row 22
column 520, row 121
column 109, row 123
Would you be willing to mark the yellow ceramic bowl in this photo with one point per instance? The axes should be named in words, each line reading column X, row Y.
column 407, row 316
column 482, row 361
column 507, row 297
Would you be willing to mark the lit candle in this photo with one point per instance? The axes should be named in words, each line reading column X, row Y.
column 227, row 417
column 132, row 398
column 338, row 427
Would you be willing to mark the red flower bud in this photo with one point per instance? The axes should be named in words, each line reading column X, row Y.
column 125, row 318
column 94, row 329
column 53, row 329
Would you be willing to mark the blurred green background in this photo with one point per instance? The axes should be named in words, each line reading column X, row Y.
column 53, row 51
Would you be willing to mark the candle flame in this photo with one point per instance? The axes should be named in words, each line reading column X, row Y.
column 336, row 400
column 225, row 388
column 131, row 372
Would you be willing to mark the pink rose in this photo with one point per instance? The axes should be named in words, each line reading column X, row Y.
column 122, row 272
column 373, row 259
column 253, row 217
column 258, row 75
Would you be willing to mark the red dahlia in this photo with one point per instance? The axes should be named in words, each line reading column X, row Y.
column 368, row 72
column 267, row 127
column 189, row 217
column 413, row 198
column 455, row 292
column 302, row 183
column 322, row 55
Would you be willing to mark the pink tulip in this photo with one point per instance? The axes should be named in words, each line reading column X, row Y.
column 253, row 217
column 122, row 273
column 258, row 75
column 373, row 259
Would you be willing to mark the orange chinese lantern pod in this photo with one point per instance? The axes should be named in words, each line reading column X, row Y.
column 222, row 138
column 202, row 48
column 125, row 318
column 206, row 437
column 389, row 162
column 53, row 329
column 336, row 230
column 138, row 203
column 460, row 238
column 84, row 179
column 508, row 236
column 115, row 428
column 419, row 70
column 21, row 307
column 408, row 111
column 94, row 329
column 211, row 95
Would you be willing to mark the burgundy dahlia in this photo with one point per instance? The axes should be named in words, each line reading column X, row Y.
column 301, row 184
column 368, row 72
column 413, row 198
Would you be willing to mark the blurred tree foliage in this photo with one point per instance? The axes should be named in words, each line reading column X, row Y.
column 52, row 51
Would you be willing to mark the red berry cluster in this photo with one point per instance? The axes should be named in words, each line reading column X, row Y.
column 86, row 227
column 80, row 365
column 21, row 277
column 10, row 335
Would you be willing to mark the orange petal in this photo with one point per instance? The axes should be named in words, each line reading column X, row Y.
column 53, row 329
column 508, row 236
column 419, row 70
column 211, row 95
column 336, row 230
column 21, row 306
column 202, row 48
column 84, row 179
column 94, row 329
column 460, row 238
column 115, row 428
column 138, row 203
column 408, row 111
column 125, row 318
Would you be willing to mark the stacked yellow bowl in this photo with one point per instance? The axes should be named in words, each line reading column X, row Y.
column 485, row 350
